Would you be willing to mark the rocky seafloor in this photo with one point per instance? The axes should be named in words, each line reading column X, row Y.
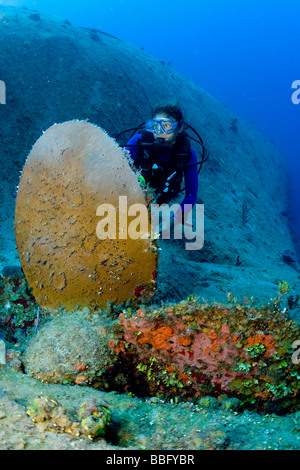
column 140, row 424
column 150, row 423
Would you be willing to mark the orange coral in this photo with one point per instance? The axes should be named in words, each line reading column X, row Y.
column 170, row 368
column 266, row 340
column 157, row 338
column 184, row 340
column 215, row 345
column 235, row 338
column 81, row 367
column 81, row 380
column 211, row 334
column 116, row 345
column 185, row 378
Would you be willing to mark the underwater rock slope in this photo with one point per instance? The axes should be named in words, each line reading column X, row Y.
column 55, row 72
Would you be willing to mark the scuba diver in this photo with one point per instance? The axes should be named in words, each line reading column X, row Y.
column 163, row 155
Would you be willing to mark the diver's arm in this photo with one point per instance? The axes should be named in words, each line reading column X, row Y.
column 191, row 182
column 132, row 146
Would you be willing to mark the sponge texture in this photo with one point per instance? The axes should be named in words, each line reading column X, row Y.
column 72, row 169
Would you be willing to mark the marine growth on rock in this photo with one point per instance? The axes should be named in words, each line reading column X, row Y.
column 190, row 349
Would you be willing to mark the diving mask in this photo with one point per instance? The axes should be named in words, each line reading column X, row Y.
column 161, row 126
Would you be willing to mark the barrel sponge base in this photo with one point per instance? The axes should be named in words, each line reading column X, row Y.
column 72, row 169
column 71, row 347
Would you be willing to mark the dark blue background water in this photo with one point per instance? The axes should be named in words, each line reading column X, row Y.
column 244, row 53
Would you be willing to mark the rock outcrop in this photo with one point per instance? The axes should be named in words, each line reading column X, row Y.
column 187, row 350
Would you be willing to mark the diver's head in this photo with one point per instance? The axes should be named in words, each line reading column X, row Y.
column 166, row 122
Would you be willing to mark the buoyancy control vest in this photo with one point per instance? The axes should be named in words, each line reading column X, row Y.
column 164, row 176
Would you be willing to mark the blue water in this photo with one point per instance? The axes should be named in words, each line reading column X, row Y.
column 246, row 54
